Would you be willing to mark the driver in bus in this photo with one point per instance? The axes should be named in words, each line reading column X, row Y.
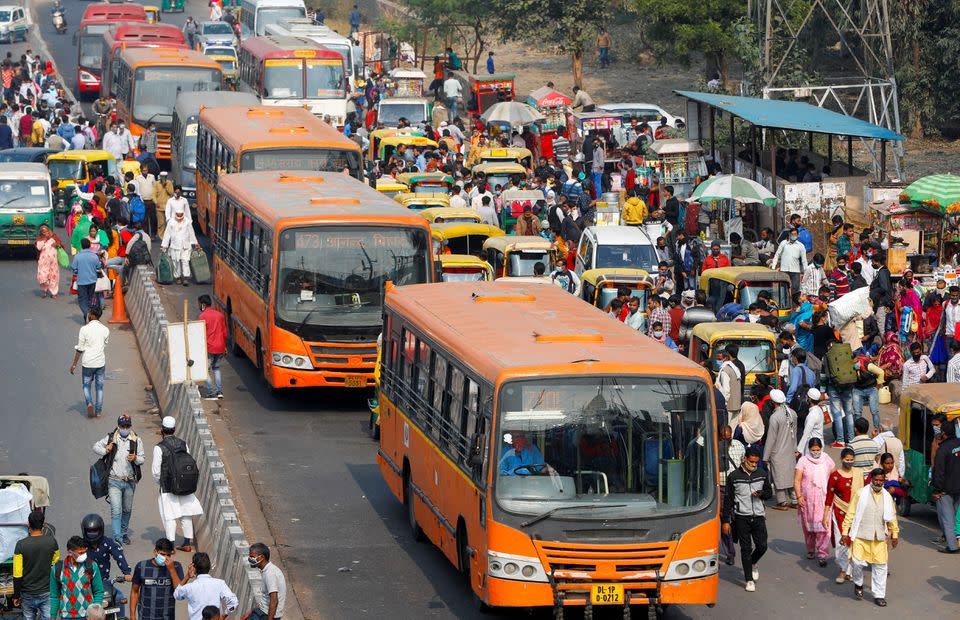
column 523, row 452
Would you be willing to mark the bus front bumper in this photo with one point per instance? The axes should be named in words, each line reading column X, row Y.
column 656, row 591
column 280, row 377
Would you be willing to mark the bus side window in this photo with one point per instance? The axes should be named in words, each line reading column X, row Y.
column 439, row 385
column 228, row 223
column 454, row 414
column 423, row 374
column 472, row 397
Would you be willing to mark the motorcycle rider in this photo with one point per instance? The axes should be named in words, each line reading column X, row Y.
column 101, row 548
column 102, row 108
column 59, row 17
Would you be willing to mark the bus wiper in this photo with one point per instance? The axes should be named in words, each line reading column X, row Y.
column 14, row 199
column 550, row 513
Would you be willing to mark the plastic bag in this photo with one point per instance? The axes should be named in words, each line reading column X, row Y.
column 63, row 258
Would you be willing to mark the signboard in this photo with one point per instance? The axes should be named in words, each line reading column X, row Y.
column 180, row 369
column 809, row 198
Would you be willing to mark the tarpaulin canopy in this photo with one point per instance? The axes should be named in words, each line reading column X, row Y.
column 938, row 191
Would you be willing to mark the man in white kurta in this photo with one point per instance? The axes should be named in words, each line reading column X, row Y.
column 866, row 527
column 174, row 508
column 178, row 240
column 779, row 451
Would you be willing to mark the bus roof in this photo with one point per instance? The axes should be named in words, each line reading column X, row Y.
column 263, row 126
column 287, row 47
column 189, row 104
column 147, row 34
column 306, row 27
column 539, row 329
column 272, row 3
column 108, row 11
column 167, row 56
column 275, row 196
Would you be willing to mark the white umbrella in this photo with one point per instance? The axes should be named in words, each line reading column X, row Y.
column 513, row 113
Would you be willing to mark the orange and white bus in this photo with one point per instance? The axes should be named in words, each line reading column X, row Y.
column 148, row 81
column 248, row 138
column 300, row 263
column 97, row 19
column 124, row 36
column 295, row 71
column 557, row 458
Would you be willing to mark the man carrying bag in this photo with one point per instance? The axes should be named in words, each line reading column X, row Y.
column 123, row 451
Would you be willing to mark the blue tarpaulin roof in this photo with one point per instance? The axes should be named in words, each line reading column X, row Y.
column 794, row 115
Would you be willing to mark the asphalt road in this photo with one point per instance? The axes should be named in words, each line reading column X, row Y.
column 340, row 533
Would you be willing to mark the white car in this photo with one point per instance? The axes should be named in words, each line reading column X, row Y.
column 13, row 23
column 643, row 112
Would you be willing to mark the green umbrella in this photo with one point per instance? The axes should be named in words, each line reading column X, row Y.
column 731, row 187
column 937, row 190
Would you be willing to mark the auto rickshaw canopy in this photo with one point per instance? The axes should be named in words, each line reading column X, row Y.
column 452, row 214
column 738, row 275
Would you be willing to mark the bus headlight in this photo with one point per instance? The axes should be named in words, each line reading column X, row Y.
column 692, row 568
column 87, row 77
column 290, row 360
column 515, row 567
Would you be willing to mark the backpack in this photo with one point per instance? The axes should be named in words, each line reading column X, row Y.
column 138, row 210
column 839, row 363
column 139, row 253
column 179, row 473
column 808, row 379
column 805, row 238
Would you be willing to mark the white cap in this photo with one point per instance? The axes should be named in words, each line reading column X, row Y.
column 813, row 394
column 778, row 396
column 163, row 173
column 443, row 123
column 169, row 422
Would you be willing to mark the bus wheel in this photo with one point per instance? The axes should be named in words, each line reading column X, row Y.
column 415, row 529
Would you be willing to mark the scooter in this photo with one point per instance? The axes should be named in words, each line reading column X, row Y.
column 59, row 20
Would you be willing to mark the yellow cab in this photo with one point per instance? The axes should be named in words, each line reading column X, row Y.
column 743, row 285
column 514, row 256
column 464, row 268
column 918, row 404
column 419, row 202
column 598, row 287
column 426, row 182
column 440, row 215
column 462, row 237
column 757, row 347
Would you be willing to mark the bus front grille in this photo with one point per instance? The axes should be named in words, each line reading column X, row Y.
column 358, row 359
column 613, row 562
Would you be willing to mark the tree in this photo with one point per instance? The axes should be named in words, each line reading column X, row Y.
column 566, row 24
column 684, row 28
column 467, row 20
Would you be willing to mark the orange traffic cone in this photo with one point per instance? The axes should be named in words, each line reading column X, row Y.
column 119, row 310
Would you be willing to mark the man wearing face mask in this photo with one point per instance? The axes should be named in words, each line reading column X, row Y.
column 951, row 314
column 917, row 368
column 872, row 518
column 844, row 484
column 716, row 258
column 779, row 450
column 75, row 582
column 153, row 584
column 945, row 485
column 127, row 456
column 273, row 586
column 113, row 143
column 791, row 258
column 743, row 512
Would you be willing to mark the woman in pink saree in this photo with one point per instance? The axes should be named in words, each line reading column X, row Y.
column 810, row 481
column 48, row 269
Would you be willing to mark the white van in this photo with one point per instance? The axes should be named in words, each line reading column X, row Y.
column 256, row 15
column 13, row 23
column 610, row 247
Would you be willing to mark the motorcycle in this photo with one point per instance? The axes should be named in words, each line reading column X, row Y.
column 59, row 18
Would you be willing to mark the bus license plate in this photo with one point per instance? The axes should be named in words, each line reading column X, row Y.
column 356, row 381
column 19, row 219
column 18, row 241
column 606, row 594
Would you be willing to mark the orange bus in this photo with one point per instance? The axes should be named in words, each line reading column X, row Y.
column 557, row 458
column 96, row 21
column 245, row 138
column 147, row 82
column 123, row 36
column 300, row 262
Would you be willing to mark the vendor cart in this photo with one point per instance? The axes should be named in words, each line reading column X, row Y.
column 553, row 105
column 915, row 232
column 482, row 91
column 681, row 162
column 406, row 82
column 603, row 125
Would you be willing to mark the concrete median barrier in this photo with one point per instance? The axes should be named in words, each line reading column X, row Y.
column 218, row 531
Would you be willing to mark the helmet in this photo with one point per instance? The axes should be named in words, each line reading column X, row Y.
column 92, row 527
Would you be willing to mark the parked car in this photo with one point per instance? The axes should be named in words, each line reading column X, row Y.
column 26, row 154
column 643, row 112
column 13, row 23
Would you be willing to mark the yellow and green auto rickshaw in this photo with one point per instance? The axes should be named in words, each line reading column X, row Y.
column 426, row 182
column 757, row 347
column 510, row 154
column 514, row 256
column 153, row 14
column 598, row 287
column 464, row 268
column 419, row 202
column 390, row 187
column 71, row 169
column 449, row 215
column 743, row 285
column 383, row 142
column 918, row 404
column 461, row 237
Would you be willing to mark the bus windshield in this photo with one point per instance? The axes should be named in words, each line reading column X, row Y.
column 272, row 15
column 24, row 194
column 639, row 445
column 91, row 51
column 313, row 159
column 283, row 79
column 325, row 80
column 344, row 51
column 156, row 89
column 333, row 276
column 628, row 256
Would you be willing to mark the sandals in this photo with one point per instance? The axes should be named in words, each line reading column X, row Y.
column 858, row 592
column 881, row 602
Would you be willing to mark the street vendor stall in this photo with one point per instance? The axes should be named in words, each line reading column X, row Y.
column 681, row 162
column 602, row 125
column 403, row 98
column 482, row 91
column 915, row 232
column 553, row 106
